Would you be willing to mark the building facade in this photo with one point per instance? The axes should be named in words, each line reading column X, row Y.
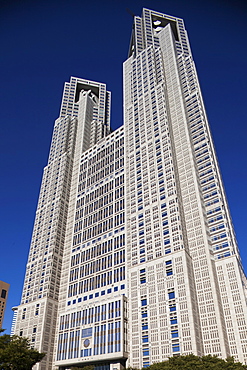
column 133, row 256
column 4, row 289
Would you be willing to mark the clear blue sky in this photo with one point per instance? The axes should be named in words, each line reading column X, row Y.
column 43, row 43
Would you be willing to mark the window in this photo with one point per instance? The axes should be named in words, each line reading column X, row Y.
column 87, row 352
column 87, row 332
column 145, row 352
column 173, row 321
column 145, row 339
column 24, row 313
column 172, row 308
column 175, row 347
column 171, row 295
column 4, row 293
column 144, row 302
column 174, row 333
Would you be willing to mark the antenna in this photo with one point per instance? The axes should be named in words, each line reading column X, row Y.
column 130, row 12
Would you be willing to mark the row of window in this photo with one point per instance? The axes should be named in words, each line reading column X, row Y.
column 97, row 265
column 97, row 250
column 97, row 281
column 90, row 315
column 99, row 228
column 96, row 295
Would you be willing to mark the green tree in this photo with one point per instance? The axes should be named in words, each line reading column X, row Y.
column 16, row 353
column 192, row 362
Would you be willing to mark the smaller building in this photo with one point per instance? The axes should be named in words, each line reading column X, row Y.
column 4, row 288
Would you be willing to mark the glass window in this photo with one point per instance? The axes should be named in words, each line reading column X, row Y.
column 144, row 302
column 174, row 333
column 145, row 339
column 87, row 332
column 145, row 352
column 175, row 347
column 171, row 295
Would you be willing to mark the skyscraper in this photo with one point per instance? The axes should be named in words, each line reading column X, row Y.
column 133, row 256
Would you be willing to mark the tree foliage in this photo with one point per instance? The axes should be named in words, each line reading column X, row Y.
column 192, row 362
column 16, row 353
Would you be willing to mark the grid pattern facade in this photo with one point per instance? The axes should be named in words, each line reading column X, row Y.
column 94, row 269
column 168, row 138
column 133, row 257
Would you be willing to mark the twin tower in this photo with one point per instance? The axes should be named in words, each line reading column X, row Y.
column 133, row 257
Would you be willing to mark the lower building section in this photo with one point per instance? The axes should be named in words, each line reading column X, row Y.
column 91, row 332
column 163, row 312
column 37, row 321
column 106, row 365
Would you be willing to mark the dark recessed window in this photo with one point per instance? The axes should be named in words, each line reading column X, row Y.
column 4, row 293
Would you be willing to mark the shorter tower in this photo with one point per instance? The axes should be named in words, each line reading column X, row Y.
column 84, row 120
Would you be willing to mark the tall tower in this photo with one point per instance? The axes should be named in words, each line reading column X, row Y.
column 183, row 260
column 133, row 256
